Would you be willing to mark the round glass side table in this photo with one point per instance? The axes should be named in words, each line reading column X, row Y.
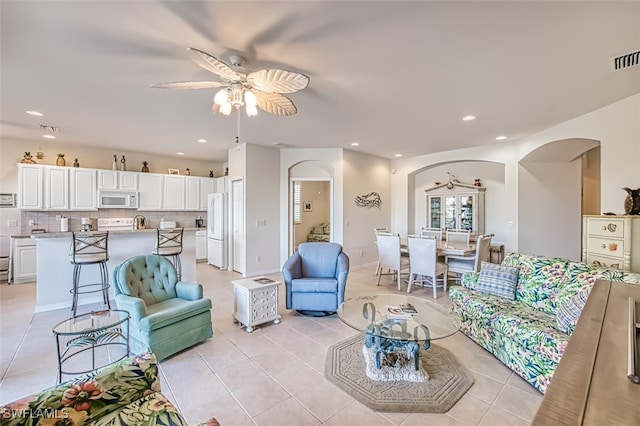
column 91, row 341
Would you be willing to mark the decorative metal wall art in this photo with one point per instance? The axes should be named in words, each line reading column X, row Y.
column 369, row 200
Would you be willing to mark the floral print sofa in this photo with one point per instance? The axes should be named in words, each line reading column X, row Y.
column 124, row 393
column 526, row 333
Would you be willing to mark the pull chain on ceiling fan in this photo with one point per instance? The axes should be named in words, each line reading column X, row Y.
column 260, row 89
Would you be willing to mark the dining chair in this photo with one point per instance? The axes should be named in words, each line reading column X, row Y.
column 432, row 232
column 389, row 257
column 376, row 231
column 423, row 264
column 458, row 236
column 461, row 264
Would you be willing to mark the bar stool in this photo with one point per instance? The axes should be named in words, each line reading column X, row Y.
column 169, row 244
column 89, row 248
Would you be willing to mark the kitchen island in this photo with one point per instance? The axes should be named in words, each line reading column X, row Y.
column 55, row 271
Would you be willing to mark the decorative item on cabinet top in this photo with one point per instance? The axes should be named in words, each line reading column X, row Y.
column 145, row 167
column 27, row 159
column 632, row 202
column 60, row 161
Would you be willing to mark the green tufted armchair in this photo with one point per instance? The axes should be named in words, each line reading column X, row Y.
column 167, row 315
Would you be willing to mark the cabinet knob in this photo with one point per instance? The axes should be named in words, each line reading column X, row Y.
column 603, row 245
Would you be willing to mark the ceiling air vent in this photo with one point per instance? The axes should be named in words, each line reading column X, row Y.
column 627, row 60
column 51, row 129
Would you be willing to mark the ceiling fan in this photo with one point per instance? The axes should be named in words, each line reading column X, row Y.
column 260, row 89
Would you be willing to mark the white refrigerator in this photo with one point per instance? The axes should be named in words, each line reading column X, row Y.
column 217, row 229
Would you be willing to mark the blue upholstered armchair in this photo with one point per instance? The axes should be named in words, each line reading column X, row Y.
column 167, row 315
column 315, row 278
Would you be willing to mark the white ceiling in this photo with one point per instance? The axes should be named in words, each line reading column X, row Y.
column 397, row 77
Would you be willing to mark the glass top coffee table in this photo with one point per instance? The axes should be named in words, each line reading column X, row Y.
column 392, row 322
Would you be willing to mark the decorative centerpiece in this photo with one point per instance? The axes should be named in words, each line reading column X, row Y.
column 145, row 167
column 60, row 161
column 75, row 163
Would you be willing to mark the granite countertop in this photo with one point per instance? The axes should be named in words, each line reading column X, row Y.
column 116, row 232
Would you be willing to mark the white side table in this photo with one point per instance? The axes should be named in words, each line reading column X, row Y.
column 255, row 301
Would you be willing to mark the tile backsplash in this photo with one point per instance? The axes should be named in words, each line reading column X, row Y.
column 47, row 219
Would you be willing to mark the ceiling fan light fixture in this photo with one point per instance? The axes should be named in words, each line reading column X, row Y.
column 251, row 103
column 222, row 97
column 225, row 109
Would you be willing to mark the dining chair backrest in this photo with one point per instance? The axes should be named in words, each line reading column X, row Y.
column 388, row 250
column 423, row 255
column 458, row 236
column 483, row 246
column 382, row 229
column 432, row 232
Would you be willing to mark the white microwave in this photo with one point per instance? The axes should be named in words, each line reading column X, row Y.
column 117, row 200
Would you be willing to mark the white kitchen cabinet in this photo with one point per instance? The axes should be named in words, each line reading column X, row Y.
column 221, row 184
column 83, row 189
column 111, row 180
column 201, row 246
column 23, row 260
column 173, row 197
column 207, row 186
column 460, row 208
column 612, row 241
column 192, row 193
column 56, row 196
column 151, row 191
column 30, row 187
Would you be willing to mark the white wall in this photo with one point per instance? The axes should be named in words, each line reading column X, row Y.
column 550, row 198
column 616, row 126
column 364, row 173
column 311, row 164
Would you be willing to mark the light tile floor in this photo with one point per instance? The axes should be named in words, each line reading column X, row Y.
column 272, row 376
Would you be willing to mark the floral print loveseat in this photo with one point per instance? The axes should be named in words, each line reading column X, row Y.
column 124, row 393
column 525, row 333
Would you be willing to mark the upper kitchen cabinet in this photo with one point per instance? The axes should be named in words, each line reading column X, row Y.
column 117, row 180
column 174, row 192
column 193, row 188
column 207, row 186
column 30, row 187
column 459, row 208
column 56, row 187
column 151, row 189
column 83, row 189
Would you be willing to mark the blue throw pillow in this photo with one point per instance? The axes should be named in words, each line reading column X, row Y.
column 498, row 280
column 569, row 312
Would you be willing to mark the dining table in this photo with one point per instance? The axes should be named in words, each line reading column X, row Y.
column 444, row 248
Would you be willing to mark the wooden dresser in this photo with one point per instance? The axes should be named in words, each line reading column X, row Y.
column 613, row 241
column 590, row 386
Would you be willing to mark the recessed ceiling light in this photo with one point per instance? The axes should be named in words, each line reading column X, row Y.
column 500, row 138
column 397, row 155
column 468, row 118
column 355, row 144
column 36, row 113
column 48, row 136
column 202, row 140
column 179, row 153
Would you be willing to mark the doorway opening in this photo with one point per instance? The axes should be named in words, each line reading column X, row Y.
column 311, row 210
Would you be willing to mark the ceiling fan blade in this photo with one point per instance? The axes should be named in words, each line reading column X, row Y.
column 278, row 81
column 215, row 65
column 189, row 85
column 274, row 103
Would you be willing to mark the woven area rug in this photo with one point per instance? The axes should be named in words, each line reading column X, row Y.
column 448, row 380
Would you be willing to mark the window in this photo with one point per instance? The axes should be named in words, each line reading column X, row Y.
column 296, row 202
